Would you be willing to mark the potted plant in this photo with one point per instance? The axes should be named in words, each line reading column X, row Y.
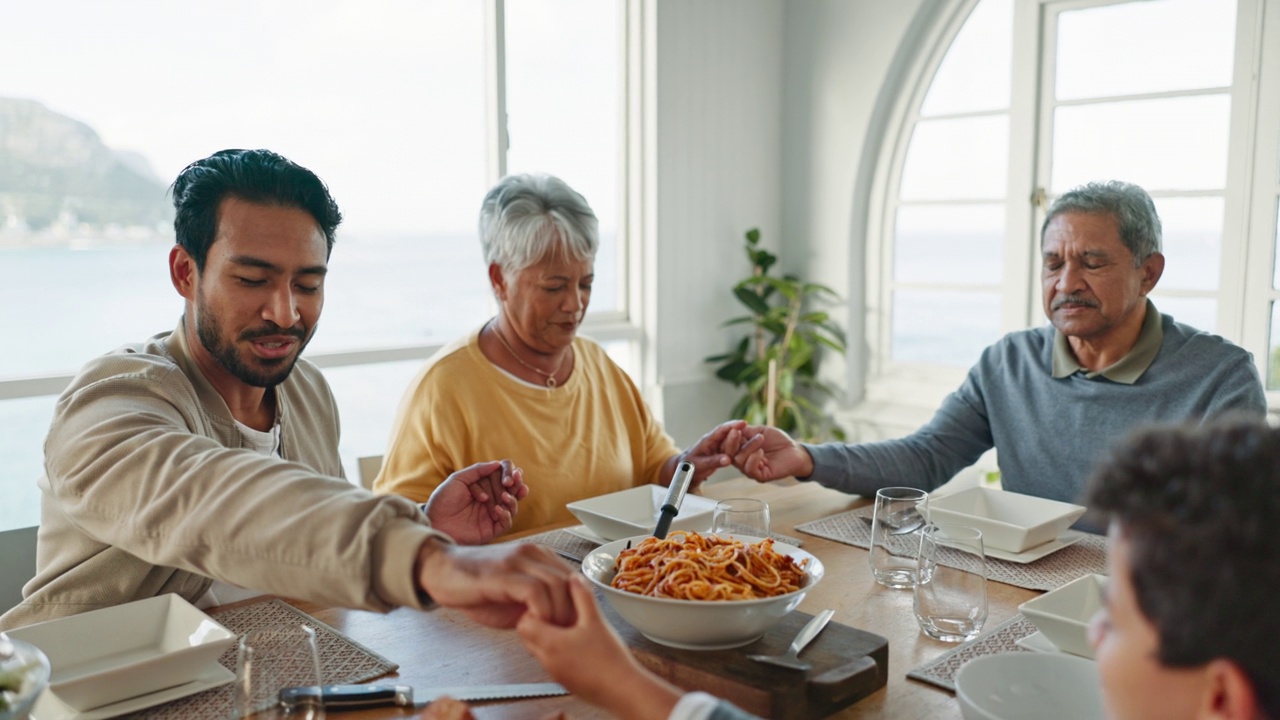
column 776, row 362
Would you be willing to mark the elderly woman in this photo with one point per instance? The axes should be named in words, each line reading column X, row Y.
column 524, row 385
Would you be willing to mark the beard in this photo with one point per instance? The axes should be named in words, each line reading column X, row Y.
column 258, row 372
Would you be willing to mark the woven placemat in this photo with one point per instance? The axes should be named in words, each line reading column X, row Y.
column 342, row 660
column 1001, row 639
column 1086, row 556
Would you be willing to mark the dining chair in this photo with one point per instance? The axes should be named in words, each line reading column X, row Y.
column 368, row 466
column 17, row 564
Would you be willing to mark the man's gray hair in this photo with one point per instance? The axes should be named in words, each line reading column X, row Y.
column 524, row 218
column 1129, row 204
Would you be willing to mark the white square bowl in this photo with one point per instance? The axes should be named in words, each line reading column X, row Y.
column 104, row 656
column 1009, row 521
column 634, row 511
column 1063, row 614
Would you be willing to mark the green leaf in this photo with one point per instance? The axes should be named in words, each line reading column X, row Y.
column 753, row 301
column 753, row 236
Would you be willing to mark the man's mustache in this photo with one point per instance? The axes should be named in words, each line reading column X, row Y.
column 1074, row 300
column 273, row 330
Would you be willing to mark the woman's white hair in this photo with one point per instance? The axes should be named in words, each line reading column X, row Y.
column 525, row 218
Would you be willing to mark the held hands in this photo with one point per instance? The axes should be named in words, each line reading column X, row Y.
column 707, row 455
column 765, row 453
column 477, row 503
column 589, row 659
column 496, row 584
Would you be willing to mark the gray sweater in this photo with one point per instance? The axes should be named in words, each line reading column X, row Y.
column 1048, row 432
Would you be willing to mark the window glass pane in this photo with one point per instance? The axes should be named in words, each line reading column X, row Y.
column 1192, row 242
column 954, row 244
column 946, row 328
column 368, row 396
column 564, row 109
column 975, row 73
column 1200, row 313
column 1273, row 357
column 394, row 123
column 961, row 158
column 1167, row 144
column 1275, row 282
column 25, row 423
column 1144, row 47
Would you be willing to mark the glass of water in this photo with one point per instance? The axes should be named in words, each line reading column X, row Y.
column 741, row 516
column 951, row 582
column 897, row 517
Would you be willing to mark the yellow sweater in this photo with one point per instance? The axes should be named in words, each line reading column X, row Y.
column 591, row 436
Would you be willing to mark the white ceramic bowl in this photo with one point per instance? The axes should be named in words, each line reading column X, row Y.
column 698, row 624
column 1063, row 614
column 1009, row 521
column 22, row 678
column 634, row 511
column 1017, row 685
column 104, row 656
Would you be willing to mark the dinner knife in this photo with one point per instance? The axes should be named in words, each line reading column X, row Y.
column 356, row 697
column 675, row 495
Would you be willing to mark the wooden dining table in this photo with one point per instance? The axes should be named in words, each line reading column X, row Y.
column 445, row 648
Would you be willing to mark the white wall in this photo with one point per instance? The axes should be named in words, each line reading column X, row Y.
column 717, row 163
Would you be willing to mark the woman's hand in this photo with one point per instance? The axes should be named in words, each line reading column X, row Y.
column 478, row 503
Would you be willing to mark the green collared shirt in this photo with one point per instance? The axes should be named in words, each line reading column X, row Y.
column 1127, row 369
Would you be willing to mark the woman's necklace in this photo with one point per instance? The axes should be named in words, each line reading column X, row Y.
column 550, row 376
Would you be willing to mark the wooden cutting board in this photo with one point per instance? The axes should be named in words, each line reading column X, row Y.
column 848, row 665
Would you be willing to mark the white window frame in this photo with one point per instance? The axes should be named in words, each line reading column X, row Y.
column 900, row 394
column 622, row 324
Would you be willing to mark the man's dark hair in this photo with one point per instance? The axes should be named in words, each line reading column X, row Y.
column 1200, row 508
column 256, row 176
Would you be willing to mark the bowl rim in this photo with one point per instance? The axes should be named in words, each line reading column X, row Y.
column 1048, row 658
column 1069, row 509
column 1034, row 603
column 814, row 572
column 583, row 505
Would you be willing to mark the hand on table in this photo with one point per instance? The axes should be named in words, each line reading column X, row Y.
column 477, row 503
column 765, row 453
column 589, row 659
column 496, row 584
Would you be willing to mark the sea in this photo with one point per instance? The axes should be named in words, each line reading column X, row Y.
column 61, row 306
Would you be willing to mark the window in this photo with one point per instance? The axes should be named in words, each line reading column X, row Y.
column 388, row 102
column 1178, row 96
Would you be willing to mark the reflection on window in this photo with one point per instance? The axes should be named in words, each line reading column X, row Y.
column 1175, row 143
column 943, row 328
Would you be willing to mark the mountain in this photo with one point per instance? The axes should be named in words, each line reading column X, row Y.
column 56, row 170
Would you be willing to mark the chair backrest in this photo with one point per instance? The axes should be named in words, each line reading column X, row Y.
column 17, row 564
column 368, row 466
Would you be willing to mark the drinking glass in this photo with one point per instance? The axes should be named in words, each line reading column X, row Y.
column 897, row 517
column 951, row 583
column 271, row 659
column 741, row 516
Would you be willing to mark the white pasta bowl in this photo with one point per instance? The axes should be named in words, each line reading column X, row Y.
column 633, row 511
column 1009, row 521
column 698, row 624
column 1016, row 685
column 104, row 656
column 1063, row 614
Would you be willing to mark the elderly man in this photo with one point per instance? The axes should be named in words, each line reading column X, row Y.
column 1189, row 628
column 1050, row 399
column 204, row 461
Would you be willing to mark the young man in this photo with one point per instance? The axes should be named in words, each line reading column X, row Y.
column 1190, row 628
column 204, row 461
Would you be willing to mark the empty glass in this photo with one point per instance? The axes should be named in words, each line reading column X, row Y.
column 951, row 583
column 897, row 517
column 271, row 659
column 741, row 516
